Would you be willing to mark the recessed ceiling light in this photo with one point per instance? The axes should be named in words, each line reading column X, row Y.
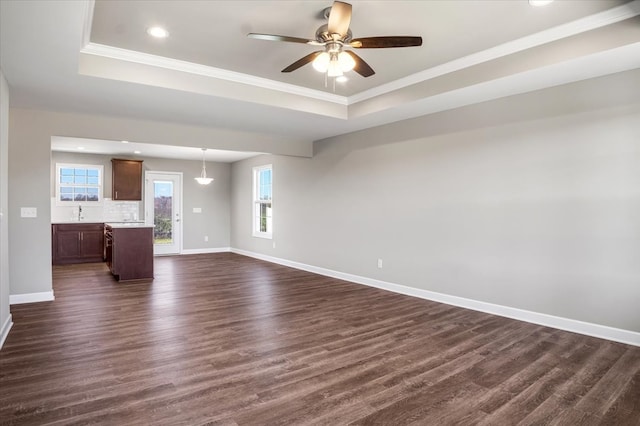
column 125, row 141
column 342, row 79
column 539, row 2
column 81, row 148
column 137, row 152
column 158, row 32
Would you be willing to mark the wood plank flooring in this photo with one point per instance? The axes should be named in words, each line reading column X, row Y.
column 226, row 339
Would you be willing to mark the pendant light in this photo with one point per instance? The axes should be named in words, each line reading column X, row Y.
column 203, row 179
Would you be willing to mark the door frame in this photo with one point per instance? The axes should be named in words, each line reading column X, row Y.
column 148, row 201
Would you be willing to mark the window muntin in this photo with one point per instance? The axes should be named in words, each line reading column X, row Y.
column 262, row 201
column 78, row 183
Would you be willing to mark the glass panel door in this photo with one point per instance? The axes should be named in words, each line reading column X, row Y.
column 163, row 212
column 163, row 209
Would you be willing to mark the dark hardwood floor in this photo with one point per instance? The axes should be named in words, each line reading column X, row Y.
column 226, row 339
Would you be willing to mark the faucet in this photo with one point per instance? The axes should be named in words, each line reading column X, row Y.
column 79, row 212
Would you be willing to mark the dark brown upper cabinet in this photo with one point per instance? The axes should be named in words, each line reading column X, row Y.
column 126, row 179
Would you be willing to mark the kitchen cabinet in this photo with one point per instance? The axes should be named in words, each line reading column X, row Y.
column 126, row 180
column 129, row 251
column 77, row 243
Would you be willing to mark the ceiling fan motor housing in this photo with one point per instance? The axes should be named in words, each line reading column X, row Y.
column 333, row 36
column 324, row 36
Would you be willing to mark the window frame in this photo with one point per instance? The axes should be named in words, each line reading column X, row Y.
column 99, row 186
column 256, row 202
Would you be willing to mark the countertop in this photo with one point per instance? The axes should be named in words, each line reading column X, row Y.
column 128, row 225
column 80, row 222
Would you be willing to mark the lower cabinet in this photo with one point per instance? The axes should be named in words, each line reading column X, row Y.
column 77, row 243
column 129, row 252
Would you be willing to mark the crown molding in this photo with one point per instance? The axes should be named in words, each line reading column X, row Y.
column 573, row 28
column 192, row 68
column 89, row 6
column 208, row 71
column 569, row 29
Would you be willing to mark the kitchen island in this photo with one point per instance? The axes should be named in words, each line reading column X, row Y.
column 129, row 250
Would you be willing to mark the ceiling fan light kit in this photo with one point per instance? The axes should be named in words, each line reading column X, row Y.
column 334, row 36
column 334, row 64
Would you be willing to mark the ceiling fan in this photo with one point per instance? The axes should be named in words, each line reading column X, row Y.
column 334, row 37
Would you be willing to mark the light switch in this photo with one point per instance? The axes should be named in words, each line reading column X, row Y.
column 28, row 212
column 197, row 209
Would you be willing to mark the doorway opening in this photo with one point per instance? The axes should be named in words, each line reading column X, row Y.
column 163, row 209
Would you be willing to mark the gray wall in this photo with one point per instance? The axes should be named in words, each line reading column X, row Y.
column 79, row 158
column 4, row 236
column 531, row 202
column 30, row 133
column 29, row 238
column 213, row 199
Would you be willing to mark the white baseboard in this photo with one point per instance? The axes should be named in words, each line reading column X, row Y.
column 206, row 250
column 45, row 296
column 4, row 331
column 575, row 326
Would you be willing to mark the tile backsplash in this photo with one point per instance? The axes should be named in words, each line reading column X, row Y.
column 109, row 211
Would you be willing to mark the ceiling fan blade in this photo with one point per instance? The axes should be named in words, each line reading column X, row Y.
column 302, row 61
column 273, row 37
column 388, row 41
column 339, row 18
column 361, row 67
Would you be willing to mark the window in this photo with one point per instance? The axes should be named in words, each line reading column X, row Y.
column 78, row 183
column 262, row 211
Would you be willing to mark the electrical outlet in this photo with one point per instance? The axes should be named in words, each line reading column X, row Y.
column 380, row 263
column 206, row 238
column 274, row 244
column 197, row 209
column 28, row 212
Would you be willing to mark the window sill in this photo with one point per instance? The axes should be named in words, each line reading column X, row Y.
column 263, row 235
column 79, row 203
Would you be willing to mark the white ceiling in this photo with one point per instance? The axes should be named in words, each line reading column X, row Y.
column 95, row 57
column 213, row 33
